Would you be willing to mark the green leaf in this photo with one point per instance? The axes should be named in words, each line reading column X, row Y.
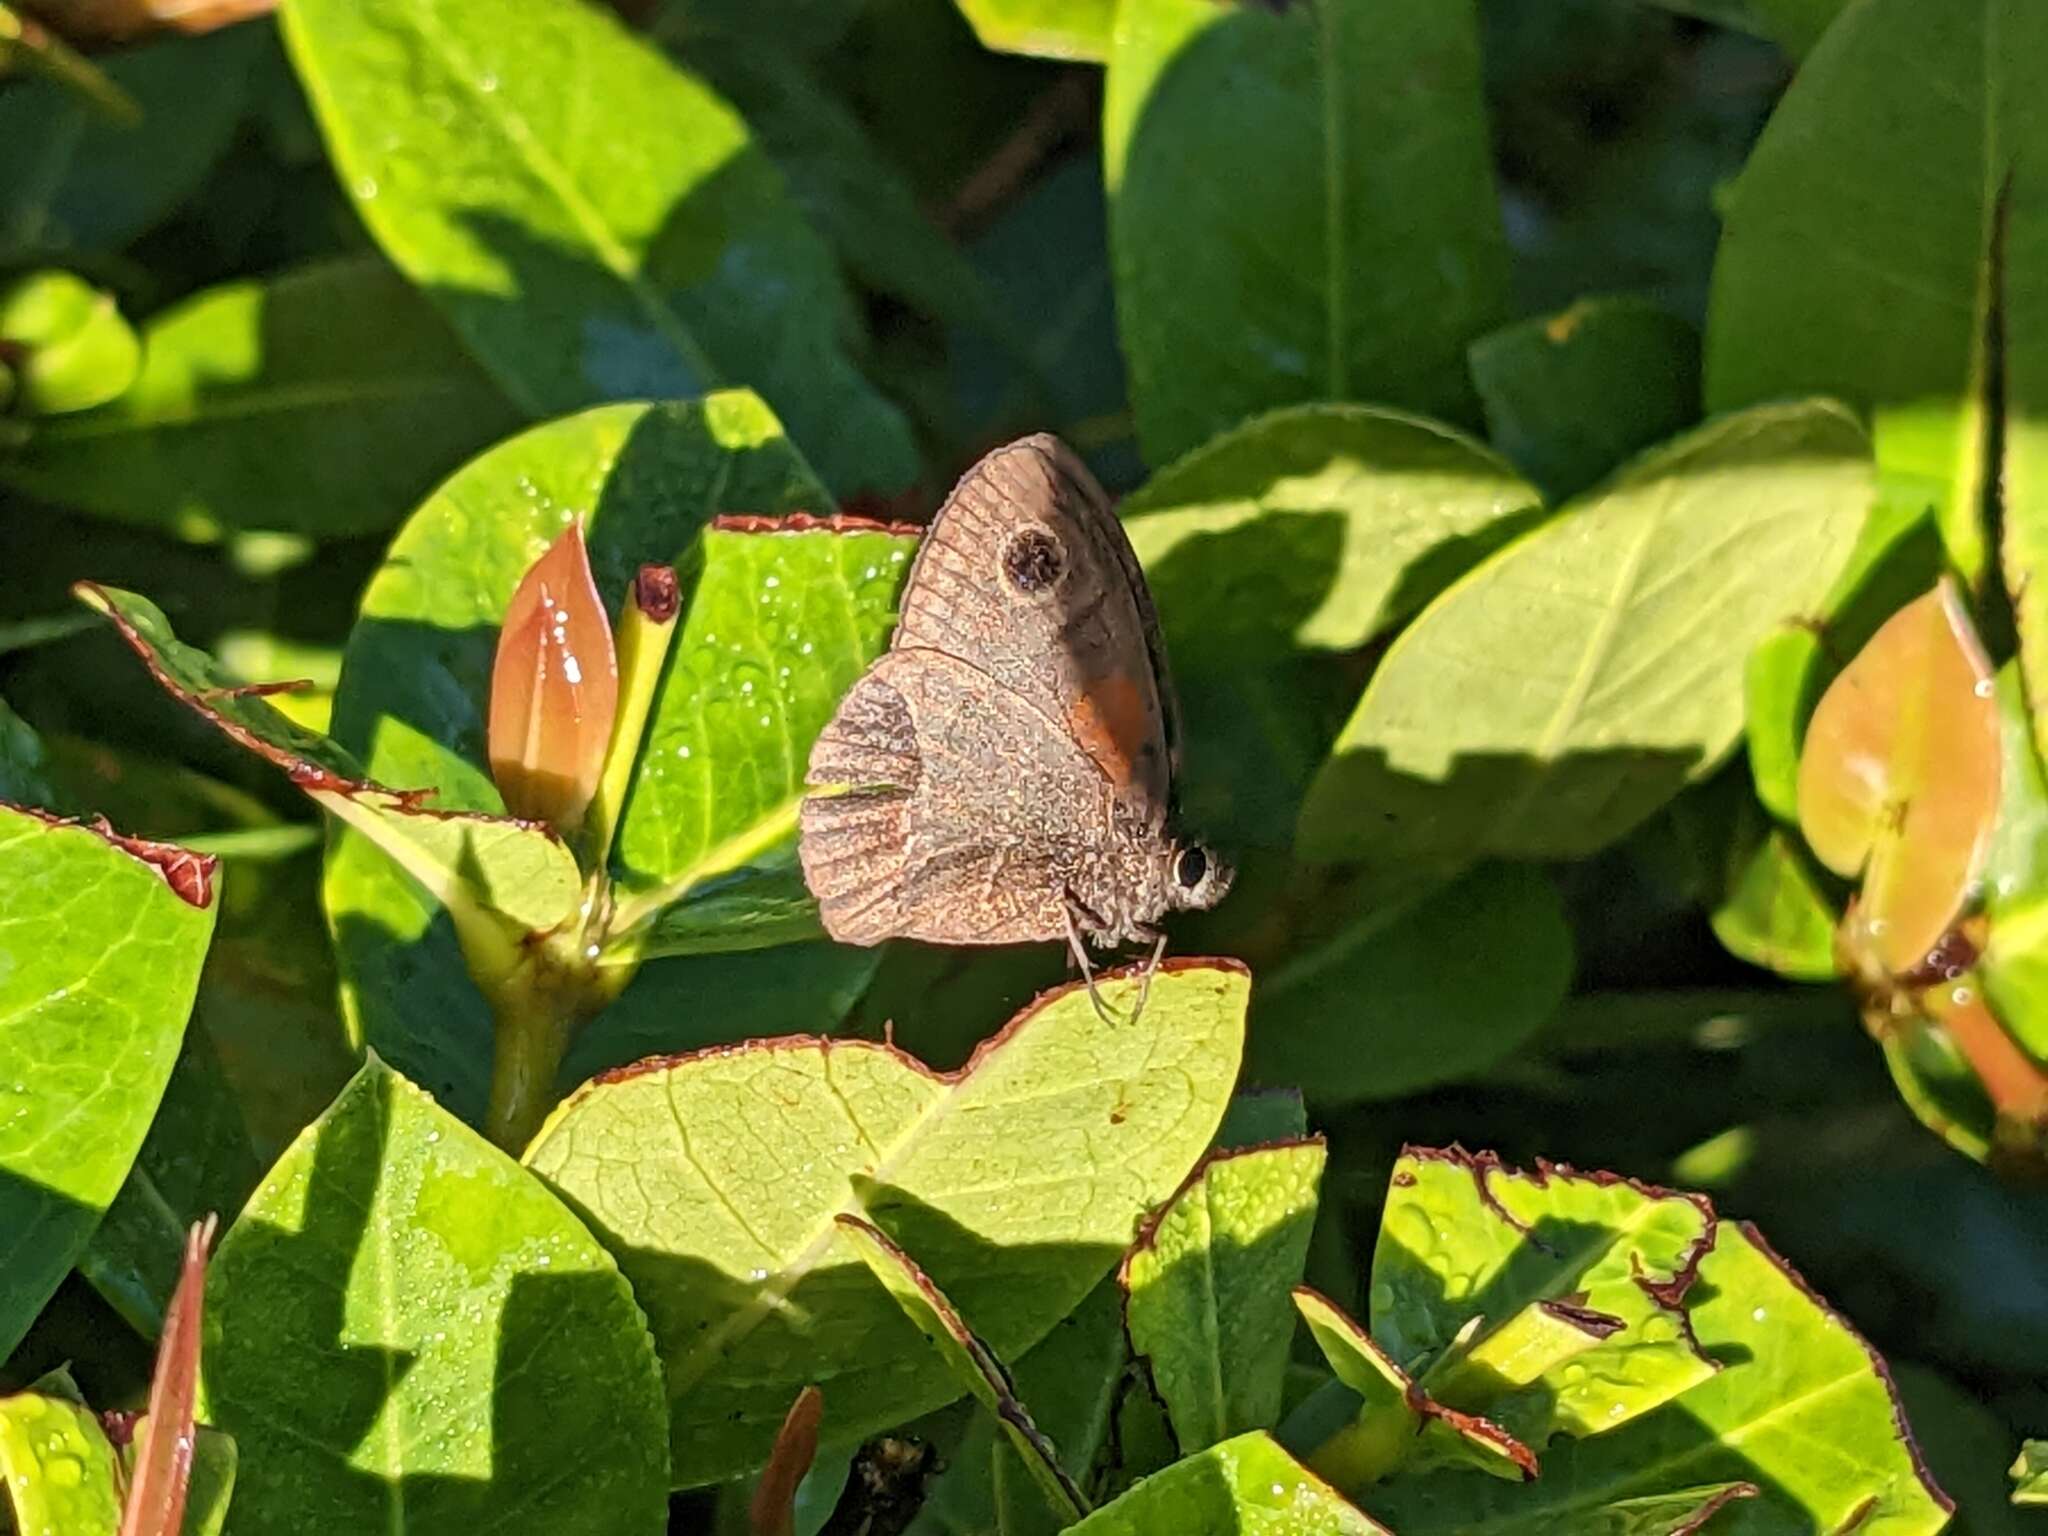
column 1778, row 909
column 325, row 401
column 1396, row 1420
column 781, row 623
column 1207, row 1282
column 1569, row 396
column 1857, row 255
column 1247, row 1485
column 406, row 1330
column 1800, row 1408
column 2014, row 968
column 1571, row 684
column 1316, row 527
column 487, row 870
column 195, row 1161
column 57, row 1467
column 987, row 1175
column 594, row 221
column 1045, row 258
column 1047, row 29
column 777, row 626
column 1796, row 25
column 77, row 180
column 2030, row 1473
column 1896, row 558
column 105, row 936
column 850, row 191
column 1443, row 989
column 23, row 777
column 69, row 347
column 1462, row 1237
column 715, row 999
column 2020, row 264
column 1361, row 273
column 1073, row 1379
column 974, row 1366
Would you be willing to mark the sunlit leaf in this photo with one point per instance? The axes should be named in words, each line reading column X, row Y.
column 1793, row 1377
column 973, row 1364
column 590, row 217
column 1246, row 1485
column 1398, row 1422
column 58, row 1469
column 1576, row 680
column 405, row 1330
column 104, row 940
column 1016, row 1181
column 1462, row 1238
column 1207, row 1282
column 324, row 400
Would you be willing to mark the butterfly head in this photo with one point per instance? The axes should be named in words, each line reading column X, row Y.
column 1196, row 878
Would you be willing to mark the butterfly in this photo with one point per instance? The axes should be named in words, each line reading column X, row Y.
column 1004, row 773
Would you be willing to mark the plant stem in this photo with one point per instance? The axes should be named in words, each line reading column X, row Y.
column 537, row 1008
column 525, row 1057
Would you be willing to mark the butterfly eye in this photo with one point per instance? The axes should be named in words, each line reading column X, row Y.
column 1032, row 560
column 1190, row 869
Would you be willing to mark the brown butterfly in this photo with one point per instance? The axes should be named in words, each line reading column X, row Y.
column 1006, row 769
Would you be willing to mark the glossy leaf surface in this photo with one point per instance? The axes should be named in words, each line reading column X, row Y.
column 405, row 1327
column 1016, row 1181
column 102, row 960
column 590, row 217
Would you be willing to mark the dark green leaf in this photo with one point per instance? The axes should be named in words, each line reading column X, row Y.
column 325, row 401
column 1359, row 274
column 75, row 179
column 1857, row 260
column 1405, row 997
column 196, row 1161
column 1569, row 396
column 845, row 186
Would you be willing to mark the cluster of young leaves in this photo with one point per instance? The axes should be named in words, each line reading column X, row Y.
column 1422, row 673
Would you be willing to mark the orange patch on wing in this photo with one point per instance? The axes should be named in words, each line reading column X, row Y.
column 1112, row 724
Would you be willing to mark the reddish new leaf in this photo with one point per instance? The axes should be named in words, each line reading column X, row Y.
column 163, row 1474
column 554, row 688
column 773, row 1510
column 1899, row 777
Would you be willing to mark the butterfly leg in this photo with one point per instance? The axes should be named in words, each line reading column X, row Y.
column 1079, row 952
column 1151, row 966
